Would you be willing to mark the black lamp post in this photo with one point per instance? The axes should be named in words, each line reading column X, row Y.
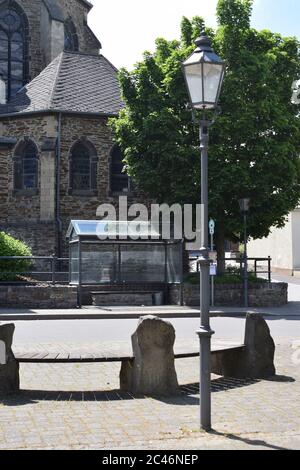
column 244, row 208
column 204, row 73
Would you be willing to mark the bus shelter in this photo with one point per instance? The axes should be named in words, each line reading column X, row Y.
column 111, row 253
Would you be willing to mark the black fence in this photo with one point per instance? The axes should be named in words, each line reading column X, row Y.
column 52, row 269
column 27, row 269
column 233, row 266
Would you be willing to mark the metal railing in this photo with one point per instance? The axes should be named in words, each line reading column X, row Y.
column 57, row 271
column 266, row 269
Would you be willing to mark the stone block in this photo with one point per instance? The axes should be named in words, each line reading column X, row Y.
column 9, row 372
column 256, row 360
column 152, row 372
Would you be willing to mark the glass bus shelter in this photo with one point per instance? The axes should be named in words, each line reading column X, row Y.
column 112, row 253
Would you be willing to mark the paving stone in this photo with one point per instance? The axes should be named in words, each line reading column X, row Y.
column 70, row 407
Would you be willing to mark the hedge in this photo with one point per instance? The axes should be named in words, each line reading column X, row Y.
column 10, row 246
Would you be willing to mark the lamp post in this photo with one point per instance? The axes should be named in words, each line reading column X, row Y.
column 244, row 208
column 204, row 73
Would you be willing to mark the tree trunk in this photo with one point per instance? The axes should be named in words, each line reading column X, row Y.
column 220, row 243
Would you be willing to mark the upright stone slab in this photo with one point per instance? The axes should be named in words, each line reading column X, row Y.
column 9, row 372
column 256, row 360
column 152, row 372
column 260, row 347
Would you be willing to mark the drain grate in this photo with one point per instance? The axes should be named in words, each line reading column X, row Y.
column 219, row 385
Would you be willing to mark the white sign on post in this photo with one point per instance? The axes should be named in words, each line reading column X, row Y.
column 212, row 226
column 213, row 269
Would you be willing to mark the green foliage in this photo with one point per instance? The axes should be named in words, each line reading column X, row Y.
column 254, row 143
column 9, row 246
column 235, row 13
column 229, row 277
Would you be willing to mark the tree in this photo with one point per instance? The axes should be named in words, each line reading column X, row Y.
column 254, row 144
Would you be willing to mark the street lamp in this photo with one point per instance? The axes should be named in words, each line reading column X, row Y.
column 244, row 208
column 204, row 73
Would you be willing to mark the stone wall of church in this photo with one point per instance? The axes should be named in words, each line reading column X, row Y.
column 32, row 9
column 80, row 206
column 32, row 216
column 78, row 11
column 20, row 212
column 96, row 131
column 40, row 237
column 16, row 205
column 38, row 20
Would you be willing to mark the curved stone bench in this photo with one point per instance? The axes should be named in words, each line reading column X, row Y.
column 150, row 369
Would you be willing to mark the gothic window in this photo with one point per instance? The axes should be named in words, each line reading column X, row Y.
column 119, row 178
column 83, row 167
column 13, row 47
column 71, row 38
column 26, row 166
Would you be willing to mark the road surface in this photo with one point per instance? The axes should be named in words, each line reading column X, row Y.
column 83, row 331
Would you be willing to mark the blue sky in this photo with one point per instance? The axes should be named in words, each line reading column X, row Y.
column 281, row 16
column 126, row 28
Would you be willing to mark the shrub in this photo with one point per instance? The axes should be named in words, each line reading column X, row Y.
column 10, row 246
column 230, row 277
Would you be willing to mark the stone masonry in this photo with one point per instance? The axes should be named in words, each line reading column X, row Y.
column 41, row 216
column 231, row 295
column 38, row 13
column 32, row 217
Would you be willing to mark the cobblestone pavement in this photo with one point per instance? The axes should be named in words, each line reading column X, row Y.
column 79, row 406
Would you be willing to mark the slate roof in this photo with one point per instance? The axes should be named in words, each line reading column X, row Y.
column 73, row 82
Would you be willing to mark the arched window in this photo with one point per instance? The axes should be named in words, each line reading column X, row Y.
column 13, row 46
column 83, row 167
column 119, row 180
column 26, row 166
column 71, row 38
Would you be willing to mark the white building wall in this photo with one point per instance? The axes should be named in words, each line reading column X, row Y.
column 279, row 245
column 296, row 238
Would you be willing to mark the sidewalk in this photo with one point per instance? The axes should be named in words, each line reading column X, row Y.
column 292, row 309
column 81, row 407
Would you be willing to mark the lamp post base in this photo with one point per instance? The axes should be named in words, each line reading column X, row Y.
column 205, row 335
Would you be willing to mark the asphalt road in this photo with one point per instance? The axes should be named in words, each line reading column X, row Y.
column 84, row 331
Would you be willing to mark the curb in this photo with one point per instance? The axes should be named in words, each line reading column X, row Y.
column 116, row 316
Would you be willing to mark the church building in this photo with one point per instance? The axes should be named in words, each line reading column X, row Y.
column 58, row 160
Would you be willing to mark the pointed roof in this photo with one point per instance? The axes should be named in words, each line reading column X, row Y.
column 71, row 83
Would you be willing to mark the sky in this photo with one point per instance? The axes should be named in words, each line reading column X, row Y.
column 126, row 28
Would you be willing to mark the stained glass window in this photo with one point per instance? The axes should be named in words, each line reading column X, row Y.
column 71, row 38
column 119, row 178
column 83, row 167
column 26, row 167
column 13, row 47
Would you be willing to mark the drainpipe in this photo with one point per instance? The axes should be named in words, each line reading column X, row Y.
column 58, row 164
column 2, row 90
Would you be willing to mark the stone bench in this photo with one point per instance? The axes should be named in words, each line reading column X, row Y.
column 150, row 369
column 9, row 366
column 133, row 298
